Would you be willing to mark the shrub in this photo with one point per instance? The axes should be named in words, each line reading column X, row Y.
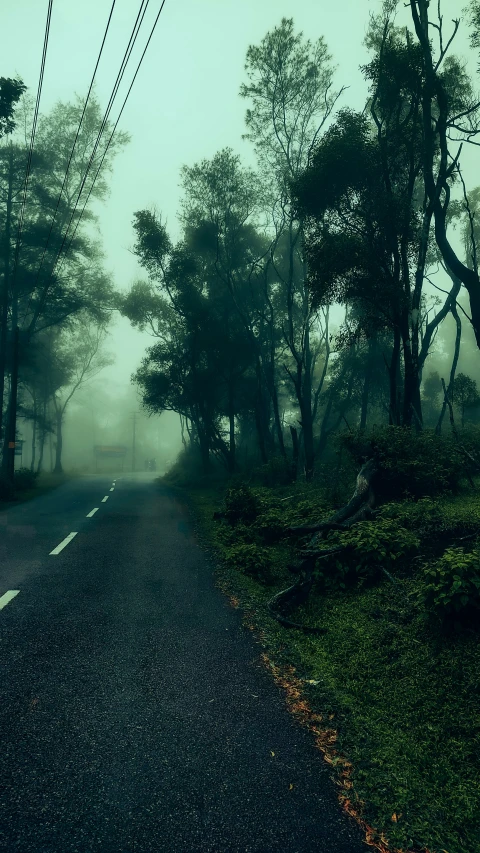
column 425, row 515
column 251, row 560
column 240, row 504
column 370, row 545
column 25, row 479
column 271, row 525
column 411, row 464
column 6, row 491
column 276, row 472
column 452, row 584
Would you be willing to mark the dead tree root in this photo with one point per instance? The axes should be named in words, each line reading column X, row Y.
column 359, row 508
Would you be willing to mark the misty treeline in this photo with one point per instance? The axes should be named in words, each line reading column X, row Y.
column 345, row 207
column 56, row 296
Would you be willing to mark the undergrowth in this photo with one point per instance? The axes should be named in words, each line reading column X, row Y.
column 398, row 670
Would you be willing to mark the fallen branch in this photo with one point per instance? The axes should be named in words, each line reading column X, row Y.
column 359, row 507
column 362, row 497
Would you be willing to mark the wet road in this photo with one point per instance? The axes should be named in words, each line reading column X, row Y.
column 135, row 716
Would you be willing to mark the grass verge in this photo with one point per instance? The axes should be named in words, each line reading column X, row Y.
column 392, row 701
column 44, row 483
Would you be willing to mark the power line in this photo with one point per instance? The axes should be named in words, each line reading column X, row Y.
column 126, row 57
column 75, row 141
column 115, row 126
column 32, row 140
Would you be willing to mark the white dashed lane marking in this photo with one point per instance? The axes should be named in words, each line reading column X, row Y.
column 112, row 488
column 104, row 499
column 89, row 514
column 4, row 599
column 63, row 543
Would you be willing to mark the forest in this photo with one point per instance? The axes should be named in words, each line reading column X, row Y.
column 332, row 466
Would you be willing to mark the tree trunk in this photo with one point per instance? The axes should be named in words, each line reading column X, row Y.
column 34, row 433
column 456, row 353
column 8, row 459
column 412, row 406
column 276, row 415
column 295, row 452
column 6, row 285
column 367, row 383
column 43, row 435
column 306, row 409
column 59, row 443
column 357, row 509
column 204, row 448
column 231, row 419
column 393, row 375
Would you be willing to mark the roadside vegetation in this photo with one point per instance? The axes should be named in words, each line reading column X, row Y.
column 390, row 688
column 29, row 484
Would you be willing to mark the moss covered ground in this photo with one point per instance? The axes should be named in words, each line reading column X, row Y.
column 391, row 696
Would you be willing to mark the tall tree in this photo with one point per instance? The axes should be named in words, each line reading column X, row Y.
column 55, row 272
column 290, row 91
column 451, row 119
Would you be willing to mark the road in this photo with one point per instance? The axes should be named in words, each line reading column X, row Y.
column 135, row 716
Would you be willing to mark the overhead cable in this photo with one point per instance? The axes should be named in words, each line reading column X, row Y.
column 116, row 123
column 126, row 57
column 32, row 141
column 75, row 142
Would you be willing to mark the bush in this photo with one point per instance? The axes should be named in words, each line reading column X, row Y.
column 271, row 525
column 24, row 479
column 452, row 585
column 6, row 491
column 370, row 545
column 411, row 464
column 276, row 472
column 251, row 560
column 240, row 504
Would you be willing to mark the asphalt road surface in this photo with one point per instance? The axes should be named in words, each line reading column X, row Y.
column 135, row 716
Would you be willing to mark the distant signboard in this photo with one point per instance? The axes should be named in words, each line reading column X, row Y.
column 114, row 451
column 18, row 446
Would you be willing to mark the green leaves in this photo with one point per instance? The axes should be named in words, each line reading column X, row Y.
column 452, row 583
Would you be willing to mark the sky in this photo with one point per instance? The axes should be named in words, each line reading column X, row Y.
column 184, row 105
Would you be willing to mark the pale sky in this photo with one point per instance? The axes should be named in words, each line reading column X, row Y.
column 184, row 105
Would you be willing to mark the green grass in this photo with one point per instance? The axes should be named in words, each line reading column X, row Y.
column 405, row 694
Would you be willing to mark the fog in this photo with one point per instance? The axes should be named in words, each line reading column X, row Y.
column 184, row 106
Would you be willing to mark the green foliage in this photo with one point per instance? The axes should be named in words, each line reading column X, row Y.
column 412, row 464
column 271, row 524
column 11, row 91
column 370, row 545
column 24, row 479
column 452, row 585
column 276, row 472
column 250, row 559
column 424, row 516
column 438, row 522
column 465, row 394
column 240, row 504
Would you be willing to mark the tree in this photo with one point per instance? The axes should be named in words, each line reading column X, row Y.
column 368, row 220
column 75, row 359
column 11, row 91
column 56, row 271
column 465, row 394
column 291, row 96
column 451, row 119
column 219, row 211
column 197, row 367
